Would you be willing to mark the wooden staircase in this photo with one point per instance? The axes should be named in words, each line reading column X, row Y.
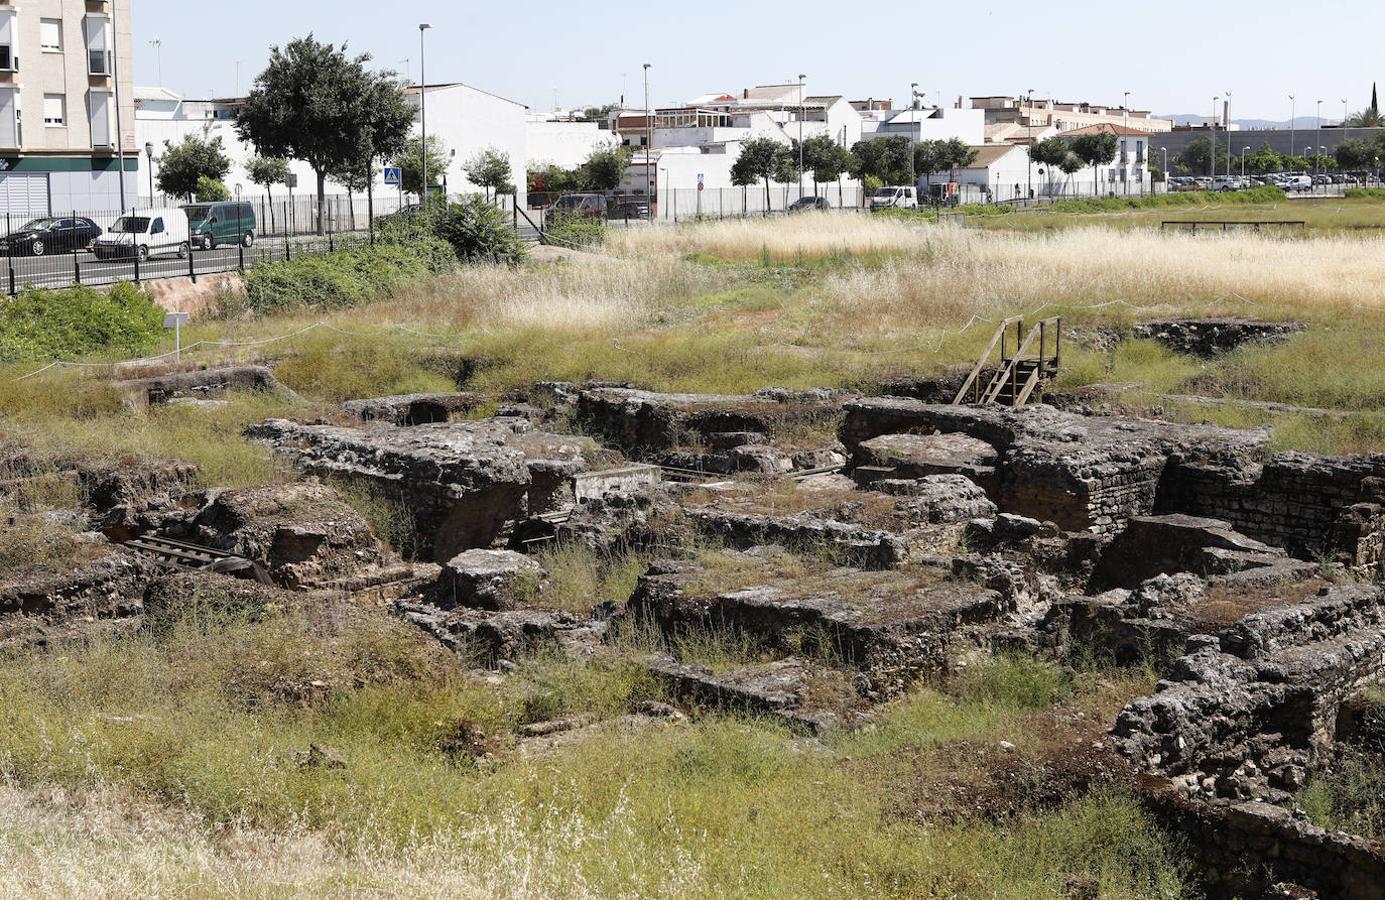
column 1022, row 371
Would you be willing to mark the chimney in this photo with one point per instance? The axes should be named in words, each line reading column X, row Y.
column 959, row 101
column 1226, row 114
column 745, row 93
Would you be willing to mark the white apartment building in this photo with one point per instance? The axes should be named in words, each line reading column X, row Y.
column 1064, row 116
column 58, row 113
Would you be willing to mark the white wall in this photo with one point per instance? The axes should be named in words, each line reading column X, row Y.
column 565, row 144
column 467, row 120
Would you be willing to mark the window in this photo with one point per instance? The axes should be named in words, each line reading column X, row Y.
column 9, row 62
column 98, row 29
column 99, row 111
column 50, row 34
column 9, row 118
column 53, row 110
column 158, row 227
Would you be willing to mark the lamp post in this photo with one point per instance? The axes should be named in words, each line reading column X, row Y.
column 1029, row 150
column 423, row 112
column 913, row 105
column 1293, row 125
column 119, row 131
column 149, row 152
column 1125, row 107
column 648, row 146
column 1212, row 140
column 1244, row 151
column 1318, row 135
column 1346, row 131
column 1227, row 116
column 800, row 134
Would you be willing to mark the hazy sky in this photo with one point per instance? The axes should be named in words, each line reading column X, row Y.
column 1172, row 56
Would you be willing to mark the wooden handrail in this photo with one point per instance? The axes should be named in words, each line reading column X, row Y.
column 985, row 355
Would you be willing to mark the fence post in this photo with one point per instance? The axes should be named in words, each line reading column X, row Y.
column 288, row 248
column 192, row 264
column 331, row 247
column 76, row 263
column 9, row 252
column 137, row 267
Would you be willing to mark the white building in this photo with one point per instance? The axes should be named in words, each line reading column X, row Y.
column 935, row 123
column 466, row 119
column 564, row 143
column 1065, row 116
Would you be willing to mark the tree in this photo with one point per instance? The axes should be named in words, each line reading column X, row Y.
column 1264, row 160
column 605, row 168
column 314, row 103
column 821, row 156
column 1070, row 165
column 884, row 158
column 488, row 169
column 761, row 157
column 1356, row 153
column 958, row 154
column 1369, row 117
column 930, row 158
column 209, row 190
column 184, row 164
column 267, row 171
column 597, row 113
column 1050, row 153
column 1095, row 150
column 554, row 179
column 1203, row 156
column 409, row 159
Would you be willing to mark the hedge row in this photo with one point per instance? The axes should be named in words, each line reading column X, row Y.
column 76, row 321
column 346, row 277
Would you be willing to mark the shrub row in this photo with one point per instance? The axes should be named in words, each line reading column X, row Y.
column 1366, row 193
column 344, row 278
column 75, row 321
column 1263, row 194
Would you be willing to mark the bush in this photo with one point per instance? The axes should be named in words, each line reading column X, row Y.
column 346, row 277
column 1365, row 193
column 576, row 231
column 479, row 232
column 72, row 322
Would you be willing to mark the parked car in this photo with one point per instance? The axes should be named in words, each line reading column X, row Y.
column 1297, row 183
column 230, row 223
column 808, row 204
column 630, row 209
column 155, row 232
column 42, row 236
column 894, row 198
column 588, row 206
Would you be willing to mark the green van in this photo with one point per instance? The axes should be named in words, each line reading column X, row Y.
column 213, row 224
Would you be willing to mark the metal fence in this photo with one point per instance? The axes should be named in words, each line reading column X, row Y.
column 75, row 248
column 278, row 215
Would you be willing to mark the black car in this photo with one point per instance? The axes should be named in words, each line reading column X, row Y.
column 629, row 209
column 806, row 204
column 43, row 236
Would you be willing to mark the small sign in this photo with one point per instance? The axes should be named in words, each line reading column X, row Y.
column 700, row 184
column 175, row 319
column 291, row 180
column 393, row 176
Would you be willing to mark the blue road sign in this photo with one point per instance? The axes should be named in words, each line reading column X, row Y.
column 392, row 175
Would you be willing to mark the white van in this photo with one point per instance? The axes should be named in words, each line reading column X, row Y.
column 1297, row 183
column 149, row 232
column 894, row 198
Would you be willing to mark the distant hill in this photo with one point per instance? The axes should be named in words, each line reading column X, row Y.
column 1257, row 124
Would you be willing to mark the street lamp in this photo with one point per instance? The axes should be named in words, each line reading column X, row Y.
column 423, row 110
column 1029, row 151
column 1293, row 125
column 1228, row 132
column 1125, row 106
column 913, row 105
column 149, row 152
column 1319, row 136
column 1212, row 139
column 648, row 144
column 800, row 134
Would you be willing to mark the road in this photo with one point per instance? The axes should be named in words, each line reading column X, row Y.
column 63, row 269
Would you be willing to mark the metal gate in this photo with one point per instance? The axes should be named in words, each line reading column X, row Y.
column 24, row 195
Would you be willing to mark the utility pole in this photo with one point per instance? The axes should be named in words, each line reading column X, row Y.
column 1126, row 107
column 1346, row 132
column 1293, row 125
column 1316, row 160
column 800, row 134
column 648, row 148
column 1228, row 134
column 115, row 76
column 423, row 113
column 1212, row 140
column 1029, row 150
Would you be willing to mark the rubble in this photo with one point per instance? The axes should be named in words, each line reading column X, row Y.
column 204, row 383
column 413, row 409
column 486, row 579
column 1213, row 337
